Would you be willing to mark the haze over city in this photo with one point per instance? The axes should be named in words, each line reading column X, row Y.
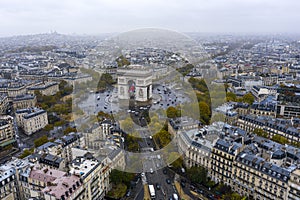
column 149, row 100
column 18, row 17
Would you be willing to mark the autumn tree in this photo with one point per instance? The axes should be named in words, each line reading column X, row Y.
column 40, row 141
column 248, row 98
column 205, row 112
column 172, row 112
column 230, row 96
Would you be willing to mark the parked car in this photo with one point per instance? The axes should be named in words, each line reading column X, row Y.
column 157, row 186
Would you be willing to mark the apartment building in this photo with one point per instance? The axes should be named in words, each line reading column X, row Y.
column 24, row 101
column 257, row 178
column 45, row 88
column 3, row 103
column 282, row 127
column 31, row 119
column 66, row 143
column 52, row 162
column 8, row 184
column 293, row 185
column 182, row 123
column 40, row 178
column 261, row 92
column 18, row 167
column 94, row 174
column 222, row 159
column 7, row 132
column 64, row 188
column 195, row 150
column 288, row 110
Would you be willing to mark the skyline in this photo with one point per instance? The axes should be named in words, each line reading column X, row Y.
column 95, row 17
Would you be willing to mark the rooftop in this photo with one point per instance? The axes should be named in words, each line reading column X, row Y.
column 63, row 186
column 46, row 175
column 31, row 112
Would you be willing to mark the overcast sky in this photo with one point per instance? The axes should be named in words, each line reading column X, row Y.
column 102, row 16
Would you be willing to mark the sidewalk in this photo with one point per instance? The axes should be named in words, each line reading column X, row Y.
column 146, row 193
column 182, row 194
column 199, row 195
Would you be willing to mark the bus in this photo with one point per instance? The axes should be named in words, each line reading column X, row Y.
column 152, row 191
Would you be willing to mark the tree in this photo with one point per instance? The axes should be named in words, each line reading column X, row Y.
column 105, row 81
column 186, row 69
column 131, row 142
column 261, row 133
column 69, row 130
column 171, row 112
column 178, row 163
column 205, row 112
column 223, row 189
column 280, row 139
column 48, row 127
column 103, row 115
column 117, row 176
column 230, row 96
column 163, row 137
column 127, row 125
column 197, row 174
column 26, row 153
column 248, row 98
column 40, row 141
column 122, row 61
column 232, row 196
column 120, row 182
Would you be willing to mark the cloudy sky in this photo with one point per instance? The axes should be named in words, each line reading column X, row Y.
column 102, row 16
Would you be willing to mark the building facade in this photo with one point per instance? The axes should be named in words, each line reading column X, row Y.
column 24, row 101
column 45, row 88
column 3, row 103
column 32, row 119
column 7, row 132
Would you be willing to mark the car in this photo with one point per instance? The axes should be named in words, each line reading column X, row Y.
column 175, row 196
column 200, row 191
column 182, row 184
column 192, row 187
column 151, row 170
column 128, row 193
column 168, row 181
column 142, row 174
column 150, row 137
column 157, row 186
column 165, row 171
column 182, row 170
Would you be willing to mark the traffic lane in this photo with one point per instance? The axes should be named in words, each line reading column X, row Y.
column 160, row 177
column 198, row 188
column 140, row 194
column 154, row 179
